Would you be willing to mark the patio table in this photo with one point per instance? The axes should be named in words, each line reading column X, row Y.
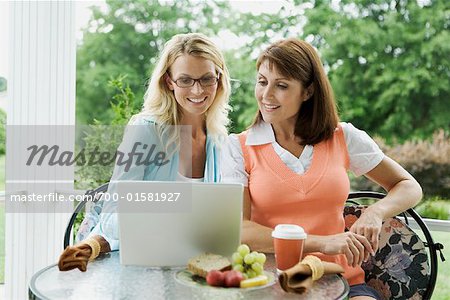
column 106, row 278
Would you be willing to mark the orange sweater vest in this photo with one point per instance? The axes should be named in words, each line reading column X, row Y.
column 313, row 200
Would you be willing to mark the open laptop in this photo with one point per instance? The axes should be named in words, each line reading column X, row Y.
column 206, row 217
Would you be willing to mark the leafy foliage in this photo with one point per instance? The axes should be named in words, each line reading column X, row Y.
column 127, row 39
column 242, row 101
column 387, row 60
column 123, row 105
column 388, row 63
column 106, row 138
column 435, row 209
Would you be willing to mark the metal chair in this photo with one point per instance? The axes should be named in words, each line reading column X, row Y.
column 90, row 196
column 401, row 268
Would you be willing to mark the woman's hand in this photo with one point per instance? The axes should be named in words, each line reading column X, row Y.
column 355, row 247
column 369, row 226
column 75, row 257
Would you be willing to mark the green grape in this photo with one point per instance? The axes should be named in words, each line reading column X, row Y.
column 261, row 258
column 245, row 275
column 239, row 267
column 257, row 267
column 249, row 259
column 251, row 273
column 243, row 250
column 236, row 258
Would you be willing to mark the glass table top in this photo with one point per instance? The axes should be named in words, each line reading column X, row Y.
column 106, row 278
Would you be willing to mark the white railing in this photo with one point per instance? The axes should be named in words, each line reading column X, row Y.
column 432, row 224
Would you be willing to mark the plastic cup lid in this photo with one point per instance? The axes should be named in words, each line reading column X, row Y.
column 289, row 232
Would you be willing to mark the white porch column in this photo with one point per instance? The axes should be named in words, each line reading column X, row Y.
column 41, row 85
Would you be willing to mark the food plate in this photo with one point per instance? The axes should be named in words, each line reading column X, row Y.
column 187, row 278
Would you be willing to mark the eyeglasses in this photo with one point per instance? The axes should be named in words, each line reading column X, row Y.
column 186, row 82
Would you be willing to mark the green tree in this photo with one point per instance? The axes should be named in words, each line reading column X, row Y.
column 388, row 63
column 387, row 60
column 106, row 136
column 243, row 103
column 258, row 30
column 127, row 39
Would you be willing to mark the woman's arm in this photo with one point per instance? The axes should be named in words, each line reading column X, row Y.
column 403, row 193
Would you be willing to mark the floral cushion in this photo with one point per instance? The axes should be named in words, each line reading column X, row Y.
column 400, row 268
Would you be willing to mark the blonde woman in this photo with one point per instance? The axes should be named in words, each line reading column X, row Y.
column 190, row 86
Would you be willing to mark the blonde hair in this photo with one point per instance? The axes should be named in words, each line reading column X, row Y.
column 159, row 100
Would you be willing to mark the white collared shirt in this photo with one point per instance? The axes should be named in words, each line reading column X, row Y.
column 364, row 153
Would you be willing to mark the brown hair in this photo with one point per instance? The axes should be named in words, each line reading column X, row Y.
column 296, row 59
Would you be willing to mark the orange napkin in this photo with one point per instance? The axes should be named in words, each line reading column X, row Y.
column 299, row 279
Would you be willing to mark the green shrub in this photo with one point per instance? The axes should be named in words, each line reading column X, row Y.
column 107, row 138
column 427, row 160
column 434, row 209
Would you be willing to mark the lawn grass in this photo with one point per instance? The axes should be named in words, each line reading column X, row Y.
column 2, row 172
column 442, row 289
column 2, row 241
column 2, row 220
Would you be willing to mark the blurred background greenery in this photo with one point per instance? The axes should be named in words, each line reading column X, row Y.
column 387, row 61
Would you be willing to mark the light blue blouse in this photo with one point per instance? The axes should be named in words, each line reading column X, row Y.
column 141, row 135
